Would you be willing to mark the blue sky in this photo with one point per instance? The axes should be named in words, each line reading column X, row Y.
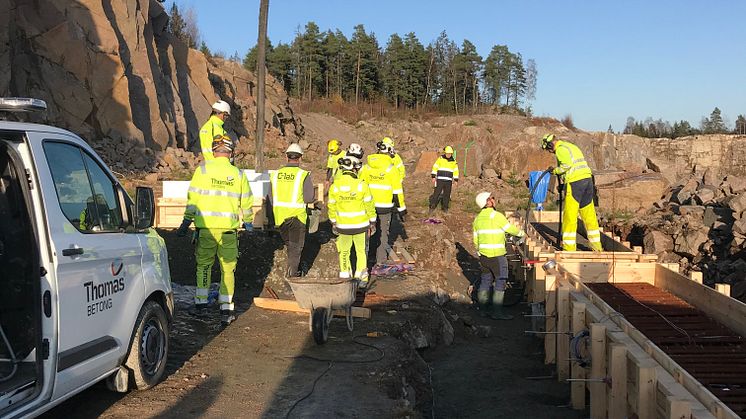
column 599, row 61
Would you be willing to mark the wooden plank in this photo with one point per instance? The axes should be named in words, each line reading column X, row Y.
column 645, row 389
column 617, row 403
column 678, row 409
column 598, row 370
column 577, row 388
column 563, row 326
column 608, row 271
column 292, row 305
column 405, row 254
column 637, row 249
column 696, row 277
column 723, row 289
column 629, row 256
column 550, row 305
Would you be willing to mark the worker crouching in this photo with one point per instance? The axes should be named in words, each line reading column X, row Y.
column 219, row 198
column 353, row 215
column 489, row 229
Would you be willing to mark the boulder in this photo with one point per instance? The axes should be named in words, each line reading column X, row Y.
column 704, row 195
column 489, row 174
column 735, row 184
column 738, row 203
column 657, row 242
column 689, row 242
column 739, row 227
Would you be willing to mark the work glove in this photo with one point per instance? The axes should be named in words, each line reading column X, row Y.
column 248, row 227
column 183, row 228
column 334, row 229
column 550, row 169
column 402, row 215
column 372, row 229
column 520, row 240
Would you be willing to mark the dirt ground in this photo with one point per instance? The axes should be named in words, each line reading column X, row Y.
column 424, row 353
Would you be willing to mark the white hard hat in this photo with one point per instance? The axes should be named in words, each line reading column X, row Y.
column 222, row 106
column 355, row 150
column 482, row 199
column 294, row 148
column 349, row 162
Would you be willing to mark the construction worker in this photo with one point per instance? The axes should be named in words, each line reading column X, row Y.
column 353, row 214
column 396, row 158
column 445, row 175
column 355, row 150
column 291, row 192
column 213, row 128
column 386, row 188
column 219, row 199
column 334, row 147
column 489, row 231
column 576, row 176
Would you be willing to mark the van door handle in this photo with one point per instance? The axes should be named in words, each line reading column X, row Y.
column 73, row 251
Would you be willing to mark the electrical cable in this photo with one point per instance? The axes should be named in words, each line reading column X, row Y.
column 13, row 358
column 331, row 363
column 575, row 349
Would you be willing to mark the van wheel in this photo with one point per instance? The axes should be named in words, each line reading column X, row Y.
column 149, row 347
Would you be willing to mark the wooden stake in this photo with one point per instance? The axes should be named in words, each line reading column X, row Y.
column 598, row 370
column 563, row 326
column 577, row 388
column 618, row 375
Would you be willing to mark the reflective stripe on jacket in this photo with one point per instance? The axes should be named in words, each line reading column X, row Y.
column 445, row 169
column 384, row 183
column 287, row 194
column 571, row 163
column 351, row 205
column 213, row 127
column 219, row 196
column 489, row 231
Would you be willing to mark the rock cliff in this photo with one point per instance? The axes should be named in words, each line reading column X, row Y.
column 110, row 72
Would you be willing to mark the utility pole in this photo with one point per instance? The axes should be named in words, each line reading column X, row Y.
column 260, row 75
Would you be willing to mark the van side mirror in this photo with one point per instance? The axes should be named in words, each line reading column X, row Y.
column 144, row 208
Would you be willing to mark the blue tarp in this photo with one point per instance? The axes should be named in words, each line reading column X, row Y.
column 540, row 194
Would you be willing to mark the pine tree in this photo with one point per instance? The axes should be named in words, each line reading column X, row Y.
column 393, row 72
column 415, row 67
column 363, row 61
column 468, row 64
column 740, row 125
column 497, row 73
column 204, row 49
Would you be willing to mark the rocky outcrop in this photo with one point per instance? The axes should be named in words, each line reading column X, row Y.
column 111, row 73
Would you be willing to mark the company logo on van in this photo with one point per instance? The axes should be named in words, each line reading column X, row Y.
column 116, row 267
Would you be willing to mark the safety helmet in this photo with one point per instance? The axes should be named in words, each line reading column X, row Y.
column 447, row 150
column 222, row 141
column 389, row 141
column 482, row 198
column 546, row 141
column 355, row 150
column 333, row 146
column 349, row 162
column 294, row 148
column 384, row 148
column 222, row 106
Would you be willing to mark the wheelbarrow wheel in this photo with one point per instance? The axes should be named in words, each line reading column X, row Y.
column 320, row 325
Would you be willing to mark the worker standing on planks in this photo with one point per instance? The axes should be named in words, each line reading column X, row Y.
column 213, row 128
column 445, row 175
column 290, row 194
column 219, row 196
column 489, row 229
column 352, row 214
column 574, row 172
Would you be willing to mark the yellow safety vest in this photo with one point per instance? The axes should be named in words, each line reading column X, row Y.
column 287, row 194
column 571, row 164
column 399, row 165
column 384, row 182
column 445, row 169
column 213, row 127
column 489, row 230
column 351, row 205
column 219, row 196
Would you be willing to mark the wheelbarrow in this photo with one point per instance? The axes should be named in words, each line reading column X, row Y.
column 321, row 298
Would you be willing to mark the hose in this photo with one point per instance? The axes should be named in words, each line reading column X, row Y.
column 13, row 358
column 531, row 194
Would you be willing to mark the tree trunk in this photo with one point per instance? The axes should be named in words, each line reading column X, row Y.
column 427, row 83
column 357, row 79
column 261, row 70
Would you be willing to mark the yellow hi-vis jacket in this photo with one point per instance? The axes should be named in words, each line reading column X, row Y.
column 213, row 127
column 571, row 164
column 287, row 194
column 351, row 205
column 489, row 229
column 399, row 165
column 445, row 169
column 384, row 183
column 219, row 196
column 332, row 163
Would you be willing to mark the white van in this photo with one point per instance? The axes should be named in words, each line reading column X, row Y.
column 85, row 289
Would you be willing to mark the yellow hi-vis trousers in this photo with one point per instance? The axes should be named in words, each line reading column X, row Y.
column 344, row 246
column 224, row 244
column 579, row 198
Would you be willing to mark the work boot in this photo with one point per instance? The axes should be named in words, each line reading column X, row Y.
column 197, row 310
column 483, row 299
column 497, row 312
column 364, row 279
column 227, row 317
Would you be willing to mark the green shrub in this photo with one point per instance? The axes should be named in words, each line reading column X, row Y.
column 470, row 123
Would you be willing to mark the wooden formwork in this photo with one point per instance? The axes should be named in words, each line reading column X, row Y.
column 629, row 374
